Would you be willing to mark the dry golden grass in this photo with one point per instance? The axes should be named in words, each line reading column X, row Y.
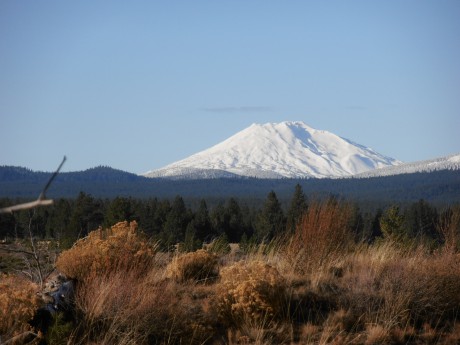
column 132, row 309
column 317, row 288
column 377, row 334
column 120, row 247
column 399, row 288
column 18, row 302
column 124, row 296
column 343, row 294
column 199, row 266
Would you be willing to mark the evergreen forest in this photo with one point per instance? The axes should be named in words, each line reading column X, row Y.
column 192, row 222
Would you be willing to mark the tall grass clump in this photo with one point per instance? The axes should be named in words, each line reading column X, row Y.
column 18, row 303
column 110, row 267
column 127, row 308
column 123, row 294
column 399, row 292
column 422, row 289
column 321, row 238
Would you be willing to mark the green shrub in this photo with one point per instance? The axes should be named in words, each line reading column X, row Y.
column 219, row 246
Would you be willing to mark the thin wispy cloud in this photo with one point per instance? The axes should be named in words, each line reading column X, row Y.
column 356, row 107
column 241, row 109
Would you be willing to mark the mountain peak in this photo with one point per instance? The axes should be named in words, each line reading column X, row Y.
column 283, row 124
column 274, row 150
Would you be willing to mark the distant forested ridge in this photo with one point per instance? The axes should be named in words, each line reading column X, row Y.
column 104, row 182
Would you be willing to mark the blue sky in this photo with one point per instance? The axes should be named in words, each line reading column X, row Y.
column 137, row 85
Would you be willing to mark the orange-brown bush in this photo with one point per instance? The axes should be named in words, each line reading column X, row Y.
column 18, row 302
column 196, row 266
column 122, row 295
column 422, row 288
column 396, row 289
column 119, row 248
column 126, row 308
column 250, row 292
column 321, row 237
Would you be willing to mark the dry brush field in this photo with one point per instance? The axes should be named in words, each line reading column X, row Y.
column 317, row 285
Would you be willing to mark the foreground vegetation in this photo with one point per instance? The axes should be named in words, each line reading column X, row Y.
column 319, row 284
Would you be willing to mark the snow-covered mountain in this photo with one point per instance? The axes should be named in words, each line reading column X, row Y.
column 277, row 150
column 451, row 162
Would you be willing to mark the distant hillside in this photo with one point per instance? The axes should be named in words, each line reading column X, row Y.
column 100, row 173
column 104, row 181
column 437, row 186
column 12, row 173
column 451, row 162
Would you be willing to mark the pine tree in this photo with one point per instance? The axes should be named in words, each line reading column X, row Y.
column 296, row 209
column 270, row 221
column 59, row 219
column 219, row 219
column 176, row 222
column 161, row 214
column 191, row 241
column 392, row 224
column 119, row 210
column 421, row 219
column 147, row 216
column 202, row 221
column 87, row 215
column 235, row 225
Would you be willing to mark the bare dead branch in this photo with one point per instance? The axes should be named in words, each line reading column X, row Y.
column 42, row 194
column 41, row 200
column 26, row 206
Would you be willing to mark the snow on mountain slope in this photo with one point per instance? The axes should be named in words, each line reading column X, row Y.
column 451, row 162
column 276, row 150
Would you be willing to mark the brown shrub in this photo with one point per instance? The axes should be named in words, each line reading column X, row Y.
column 429, row 286
column 120, row 247
column 122, row 296
column 18, row 303
column 250, row 291
column 400, row 289
column 125, row 308
column 321, row 237
column 198, row 266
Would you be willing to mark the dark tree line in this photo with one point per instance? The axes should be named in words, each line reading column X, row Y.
column 172, row 222
column 440, row 187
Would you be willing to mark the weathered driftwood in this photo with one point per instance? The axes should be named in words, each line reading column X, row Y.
column 41, row 201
